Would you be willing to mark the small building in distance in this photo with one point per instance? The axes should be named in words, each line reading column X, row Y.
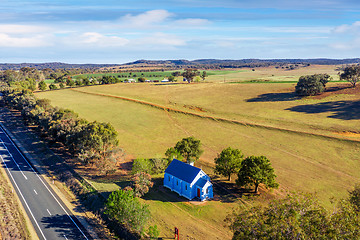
column 188, row 181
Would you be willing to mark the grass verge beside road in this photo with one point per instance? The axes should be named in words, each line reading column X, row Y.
column 14, row 223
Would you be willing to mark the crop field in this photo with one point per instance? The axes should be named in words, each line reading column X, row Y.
column 313, row 143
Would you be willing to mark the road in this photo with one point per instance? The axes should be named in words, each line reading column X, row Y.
column 49, row 215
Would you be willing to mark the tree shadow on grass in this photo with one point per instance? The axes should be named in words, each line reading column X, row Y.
column 229, row 192
column 163, row 194
column 275, row 97
column 344, row 110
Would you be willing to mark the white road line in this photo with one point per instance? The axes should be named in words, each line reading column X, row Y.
column 42, row 181
column 35, row 192
column 48, row 211
column 37, row 224
column 14, row 160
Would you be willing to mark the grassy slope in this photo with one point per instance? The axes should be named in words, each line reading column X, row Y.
column 268, row 104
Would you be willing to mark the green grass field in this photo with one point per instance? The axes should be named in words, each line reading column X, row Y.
column 313, row 162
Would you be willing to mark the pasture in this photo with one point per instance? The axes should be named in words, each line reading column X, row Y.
column 261, row 74
column 305, row 138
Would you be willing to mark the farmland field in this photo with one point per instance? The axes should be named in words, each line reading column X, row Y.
column 313, row 143
column 238, row 75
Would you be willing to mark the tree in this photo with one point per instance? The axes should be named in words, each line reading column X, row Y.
column 171, row 78
column 61, row 85
column 176, row 73
column 78, row 82
column 98, row 140
column 142, row 183
column 351, row 74
column 298, row 216
column 141, row 79
column 190, row 73
column 141, row 165
column 295, row 217
column 42, row 86
column 70, row 82
column 255, row 171
column 189, row 148
column 172, row 153
column 228, row 162
column 354, row 197
column 203, row 75
column 126, row 209
column 311, row 84
column 158, row 165
column 52, row 86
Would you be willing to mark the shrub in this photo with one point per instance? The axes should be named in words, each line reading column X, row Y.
column 158, row 165
column 126, row 209
column 142, row 183
column 141, row 165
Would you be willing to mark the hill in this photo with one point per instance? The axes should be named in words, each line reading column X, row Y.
column 182, row 63
column 229, row 63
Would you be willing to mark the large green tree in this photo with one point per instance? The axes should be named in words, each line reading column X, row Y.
column 311, row 84
column 298, row 216
column 189, row 148
column 126, row 209
column 351, row 74
column 256, row 170
column 228, row 162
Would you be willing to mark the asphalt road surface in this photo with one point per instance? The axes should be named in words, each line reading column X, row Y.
column 49, row 215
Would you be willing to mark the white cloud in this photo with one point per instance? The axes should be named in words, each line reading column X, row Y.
column 23, row 42
column 345, row 28
column 159, row 19
column 346, row 37
column 100, row 40
column 146, row 18
column 22, row 29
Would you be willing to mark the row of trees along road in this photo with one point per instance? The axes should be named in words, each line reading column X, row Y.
column 93, row 142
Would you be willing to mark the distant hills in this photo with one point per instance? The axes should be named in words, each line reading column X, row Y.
column 176, row 64
column 229, row 63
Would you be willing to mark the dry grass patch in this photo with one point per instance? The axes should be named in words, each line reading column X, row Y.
column 12, row 220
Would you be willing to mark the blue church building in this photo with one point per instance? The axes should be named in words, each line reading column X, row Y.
column 188, row 181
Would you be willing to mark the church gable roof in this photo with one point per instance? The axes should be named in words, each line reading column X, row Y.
column 182, row 170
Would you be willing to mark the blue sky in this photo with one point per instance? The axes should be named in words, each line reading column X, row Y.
column 110, row 31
